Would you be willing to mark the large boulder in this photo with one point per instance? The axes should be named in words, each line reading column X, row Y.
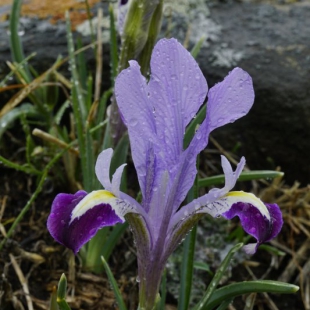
column 270, row 41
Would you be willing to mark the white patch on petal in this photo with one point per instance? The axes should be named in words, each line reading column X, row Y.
column 224, row 203
column 96, row 198
column 240, row 196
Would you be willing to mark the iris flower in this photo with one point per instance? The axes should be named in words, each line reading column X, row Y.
column 156, row 114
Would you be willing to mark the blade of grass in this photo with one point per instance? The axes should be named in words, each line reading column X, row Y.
column 80, row 115
column 113, row 46
column 18, row 67
column 15, row 41
column 237, row 289
column 244, row 176
column 117, row 293
column 61, row 293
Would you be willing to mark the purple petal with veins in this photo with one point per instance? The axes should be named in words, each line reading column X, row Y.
column 255, row 224
column 74, row 235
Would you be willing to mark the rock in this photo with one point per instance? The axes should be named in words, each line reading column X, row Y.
column 270, row 41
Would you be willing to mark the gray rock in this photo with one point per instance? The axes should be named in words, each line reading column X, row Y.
column 271, row 42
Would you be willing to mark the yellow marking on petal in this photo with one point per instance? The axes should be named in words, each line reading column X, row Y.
column 91, row 200
column 240, row 196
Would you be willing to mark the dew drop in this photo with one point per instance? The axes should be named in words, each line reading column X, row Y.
column 133, row 122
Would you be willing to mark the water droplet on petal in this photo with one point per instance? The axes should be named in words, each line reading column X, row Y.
column 133, row 122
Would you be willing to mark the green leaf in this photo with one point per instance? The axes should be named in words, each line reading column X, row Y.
column 7, row 119
column 271, row 250
column 244, row 176
column 61, row 293
column 62, row 287
column 191, row 128
column 113, row 45
column 246, row 287
column 202, row 266
column 216, row 279
column 117, row 293
column 196, row 49
column 15, row 41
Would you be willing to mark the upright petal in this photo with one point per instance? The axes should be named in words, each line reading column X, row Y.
column 177, row 89
column 102, row 168
column 132, row 99
column 75, row 219
column 227, row 101
column 230, row 99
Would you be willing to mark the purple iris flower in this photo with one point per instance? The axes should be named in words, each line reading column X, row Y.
column 156, row 114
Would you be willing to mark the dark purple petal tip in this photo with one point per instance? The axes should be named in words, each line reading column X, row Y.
column 75, row 234
column 256, row 224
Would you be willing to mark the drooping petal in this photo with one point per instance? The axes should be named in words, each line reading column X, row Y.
column 256, row 223
column 177, row 89
column 75, row 219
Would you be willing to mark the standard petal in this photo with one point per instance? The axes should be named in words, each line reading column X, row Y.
column 103, row 168
column 116, row 180
column 230, row 99
column 255, row 223
column 132, row 99
column 177, row 89
column 75, row 219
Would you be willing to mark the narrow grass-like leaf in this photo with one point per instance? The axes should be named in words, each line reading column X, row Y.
column 216, row 279
column 24, row 168
column 224, row 305
column 120, row 155
column 18, row 67
column 191, row 128
column 7, row 119
column 62, row 287
column 81, row 64
column 15, row 41
column 94, row 251
column 202, row 266
column 244, row 176
column 61, row 111
column 113, row 45
column 80, row 115
column 197, row 47
column 271, row 250
column 101, row 113
column 112, row 239
column 246, row 287
column 53, row 300
column 61, row 293
column 117, row 293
